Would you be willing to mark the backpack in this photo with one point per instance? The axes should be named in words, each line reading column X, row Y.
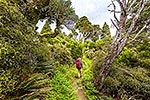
column 78, row 64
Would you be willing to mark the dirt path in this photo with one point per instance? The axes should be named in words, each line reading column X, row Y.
column 80, row 92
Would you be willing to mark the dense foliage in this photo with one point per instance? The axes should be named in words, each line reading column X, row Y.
column 61, row 85
column 36, row 66
column 130, row 73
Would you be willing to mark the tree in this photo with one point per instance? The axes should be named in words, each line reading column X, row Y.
column 21, row 56
column 46, row 28
column 125, row 26
column 85, row 27
column 96, row 32
column 63, row 14
column 58, row 11
column 88, row 31
column 105, row 30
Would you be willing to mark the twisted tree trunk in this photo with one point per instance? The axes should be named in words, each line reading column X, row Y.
column 114, row 51
column 122, row 34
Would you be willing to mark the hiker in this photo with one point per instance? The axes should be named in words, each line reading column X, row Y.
column 79, row 66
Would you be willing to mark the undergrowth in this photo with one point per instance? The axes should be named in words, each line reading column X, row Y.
column 90, row 91
column 87, row 81
column 61, row 84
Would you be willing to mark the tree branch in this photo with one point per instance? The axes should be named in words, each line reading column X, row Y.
column 122, row 5
column 135, row 30
column 114, row 11
column 135, row 18
column 138, row 33
column 131, row 6
column 114, row 24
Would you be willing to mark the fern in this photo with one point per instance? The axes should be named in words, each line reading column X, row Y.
column 33, row 86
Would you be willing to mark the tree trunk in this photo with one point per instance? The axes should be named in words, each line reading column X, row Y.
column 116, row 48
column 121, row 37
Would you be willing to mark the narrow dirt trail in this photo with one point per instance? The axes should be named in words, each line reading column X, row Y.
column 80, row 92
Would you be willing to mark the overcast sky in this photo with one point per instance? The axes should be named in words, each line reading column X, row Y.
column 96, row 11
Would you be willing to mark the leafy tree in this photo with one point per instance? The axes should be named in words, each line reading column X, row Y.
column 16, row 37
column 87, row 29
column 19, row 59
column 105, row 30
column 46, row 28
column 125, row 28
column 58, row 11
column 96, row 32
column 64, row 14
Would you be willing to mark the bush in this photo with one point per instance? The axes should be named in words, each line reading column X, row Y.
column 106, row 98
column 15, row 84
column 128, row 56
column 61, row 54
column 99, row 46
column 124, row 82
column 143, row 54
column 91, row 92
column 20, row 53
column 65, row 44
column 97, row 61
column 61, row 88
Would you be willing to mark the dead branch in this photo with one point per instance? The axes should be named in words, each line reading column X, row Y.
column 135, row 18
column 135, row 30
column 122, row 5
column 131, row 6
column 114, row 11
column 133, row 97
column 138, row 33
column 114, row 24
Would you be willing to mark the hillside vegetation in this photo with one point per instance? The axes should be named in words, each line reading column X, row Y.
column 41, row 66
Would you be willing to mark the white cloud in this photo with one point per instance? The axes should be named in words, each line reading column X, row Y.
column 93, row 9
column 96, row 11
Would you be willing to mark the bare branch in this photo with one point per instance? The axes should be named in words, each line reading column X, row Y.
column 131, row 6
column 133, row 97
column 138, row 33
column 109, row 5
column 135, row 18
column 114, row 24
column 114, row 12
column 135, row 30
column 123, row 42
column 122, row 6
column 128, row 1
column 123, row 15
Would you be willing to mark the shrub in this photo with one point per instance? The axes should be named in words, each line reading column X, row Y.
column 97, row 61
column 106, row 98
column 15, row 84
column 128, row 56
column 76, row 49
column 125, row 82
column 61, row 54
column 61, row 88
column 91, row 92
